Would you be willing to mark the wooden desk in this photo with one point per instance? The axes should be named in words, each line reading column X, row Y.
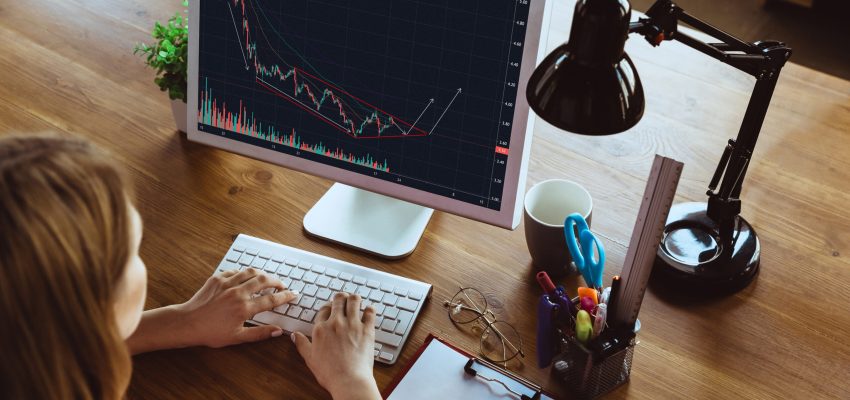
column 67, row 66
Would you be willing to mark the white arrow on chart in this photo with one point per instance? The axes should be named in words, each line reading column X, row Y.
column 233, row 18
column 445, row 110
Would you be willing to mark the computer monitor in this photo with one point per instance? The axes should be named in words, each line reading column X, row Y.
column 409, row 105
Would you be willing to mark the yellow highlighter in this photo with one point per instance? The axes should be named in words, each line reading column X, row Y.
column 584, row 328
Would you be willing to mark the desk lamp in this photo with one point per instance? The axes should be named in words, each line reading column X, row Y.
column 590, row 86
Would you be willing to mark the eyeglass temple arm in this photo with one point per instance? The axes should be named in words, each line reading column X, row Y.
column 490, row 324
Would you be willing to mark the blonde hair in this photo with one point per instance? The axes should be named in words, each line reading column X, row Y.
column 64, row 246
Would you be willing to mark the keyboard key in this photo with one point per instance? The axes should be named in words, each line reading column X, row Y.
column 252, row 251
column 359, row 280
column 265, row 254
column 228, row 266
column 311, row 289
column 297, row 274
column 403, row 319
column 385, row 356
column 319, row 269
column 349, row 288
column 233, row 256
column 376, row 353
column 415, row 295
column 378, row 321
column 407, row 304
column 296, row 286
column 291, row 262
column 401, row 292
column 390, row 299
column 336, row 284
column 284, row 270
column 306, row 301
column 386, row 287
column 319, row 304
column 281, row 309
column 376, row 295
column 246, row 259
column 258, row 263
column 391, row 312
column 378, row 346
column 364, row 304
column 277, row 258
column 323, row 281
column 305, row 265
column 388, row 325
column 287, row 282
column 387, row 338
column 308, row 315
column 363, row 291
column 345, row 276
column 294, row 311
column 239, row 248
column 373, row 284
column 310, row 277
column 379, row 308
column 271, row 266
column 324, row 293
column 331, row 272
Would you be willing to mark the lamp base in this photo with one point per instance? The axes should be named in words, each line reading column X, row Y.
column 693, row 257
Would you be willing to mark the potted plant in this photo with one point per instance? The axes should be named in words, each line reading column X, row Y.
column 168, row 55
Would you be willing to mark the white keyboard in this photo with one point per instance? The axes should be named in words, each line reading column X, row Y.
column 396, row 300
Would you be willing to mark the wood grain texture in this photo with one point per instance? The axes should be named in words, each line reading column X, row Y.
column 67, row 67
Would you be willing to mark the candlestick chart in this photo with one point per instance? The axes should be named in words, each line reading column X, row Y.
column 420, row 94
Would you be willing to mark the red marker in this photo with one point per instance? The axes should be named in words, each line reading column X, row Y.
column 545, row 282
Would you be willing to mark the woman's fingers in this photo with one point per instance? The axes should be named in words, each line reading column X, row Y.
column 229, row 273
column 324, row 313
column 260, row 282
column 352, row 308
column 369, row 320
column 270, row 301
column 338, row 306
column 240, row 277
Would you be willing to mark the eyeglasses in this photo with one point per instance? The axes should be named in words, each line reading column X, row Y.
column 500, row 342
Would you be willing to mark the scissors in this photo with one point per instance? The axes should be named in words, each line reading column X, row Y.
column 582, row 250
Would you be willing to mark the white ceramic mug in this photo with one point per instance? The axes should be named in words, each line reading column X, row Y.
column 547, row 205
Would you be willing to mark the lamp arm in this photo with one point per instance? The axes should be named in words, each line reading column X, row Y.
column 763, row 60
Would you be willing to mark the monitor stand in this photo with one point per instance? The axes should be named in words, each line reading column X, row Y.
column 370, row 222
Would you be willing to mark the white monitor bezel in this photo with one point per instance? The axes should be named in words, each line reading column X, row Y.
column 511, row 211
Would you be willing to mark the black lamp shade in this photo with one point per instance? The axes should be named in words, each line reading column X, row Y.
column 590, row 85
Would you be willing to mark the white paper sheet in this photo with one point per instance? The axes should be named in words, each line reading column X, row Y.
column 438, row 374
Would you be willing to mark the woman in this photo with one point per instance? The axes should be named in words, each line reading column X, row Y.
column 72, row 288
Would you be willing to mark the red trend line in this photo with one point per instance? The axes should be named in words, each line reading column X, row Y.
column 278, row 93
column 341, row 104
column 362, row 101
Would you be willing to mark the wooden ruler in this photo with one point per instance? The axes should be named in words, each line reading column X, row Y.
column 646, row 237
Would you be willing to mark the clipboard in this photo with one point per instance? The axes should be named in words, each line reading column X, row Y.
column 440, row 370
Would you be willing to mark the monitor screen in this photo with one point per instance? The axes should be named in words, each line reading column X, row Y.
column 417, row 94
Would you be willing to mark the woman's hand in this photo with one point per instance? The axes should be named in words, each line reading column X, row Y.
column 214, row 316
column 342, row 351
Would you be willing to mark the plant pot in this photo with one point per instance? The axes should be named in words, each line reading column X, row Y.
column 178, row 108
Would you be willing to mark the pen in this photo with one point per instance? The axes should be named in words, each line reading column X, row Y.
column 599, row 320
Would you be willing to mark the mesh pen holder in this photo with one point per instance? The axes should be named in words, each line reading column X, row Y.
column 589, row 374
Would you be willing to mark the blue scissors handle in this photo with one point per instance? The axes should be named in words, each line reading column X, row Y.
column 584, row 248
